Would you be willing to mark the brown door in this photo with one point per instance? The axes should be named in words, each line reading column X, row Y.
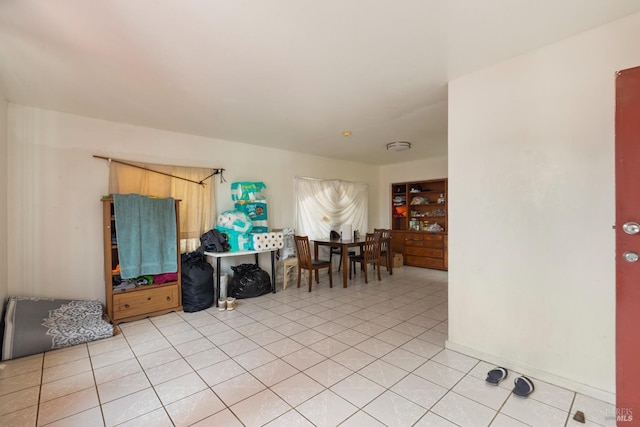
column 628, row 247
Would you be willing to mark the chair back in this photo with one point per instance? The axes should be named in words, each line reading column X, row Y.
column 385, row 238
column 303, row 251
column 371, row 247
column 334, row 235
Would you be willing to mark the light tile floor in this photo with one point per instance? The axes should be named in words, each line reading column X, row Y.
column 369, row 355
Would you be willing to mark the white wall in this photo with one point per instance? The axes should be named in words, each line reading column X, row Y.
column 531, row 193
column 417, row 170
column 55, row 185
column 3, row 197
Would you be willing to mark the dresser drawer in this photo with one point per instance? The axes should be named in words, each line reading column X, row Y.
column 421, row 241
column 421, row 251
column 145, row 301
column 424, row 236
column 419, row 261
column 438, row 244
column 433, row 237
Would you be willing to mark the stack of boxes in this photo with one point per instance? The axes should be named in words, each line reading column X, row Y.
column 256, row 211
column 248, row 217
column 249, row 200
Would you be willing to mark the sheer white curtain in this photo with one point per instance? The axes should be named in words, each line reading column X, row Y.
column 324, row 205
column 197, row 201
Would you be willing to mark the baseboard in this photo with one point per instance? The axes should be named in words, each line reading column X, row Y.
column 587, row 390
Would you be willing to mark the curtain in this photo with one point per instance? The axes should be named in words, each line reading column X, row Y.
column 325, row 205
column 196, row 206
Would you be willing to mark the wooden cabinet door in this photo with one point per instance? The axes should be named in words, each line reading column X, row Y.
column 397, row 242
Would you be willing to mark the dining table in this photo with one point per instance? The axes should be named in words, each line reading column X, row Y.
column 344, row 245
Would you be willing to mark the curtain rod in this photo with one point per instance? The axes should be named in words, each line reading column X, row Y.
column 216, row 171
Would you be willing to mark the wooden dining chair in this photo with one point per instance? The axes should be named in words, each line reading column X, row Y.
column 305, row 262
column 385, row 247
column 370, row 254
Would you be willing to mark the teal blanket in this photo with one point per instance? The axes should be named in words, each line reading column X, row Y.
column 146, row 234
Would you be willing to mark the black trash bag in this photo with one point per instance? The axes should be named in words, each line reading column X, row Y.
column 197, row 282
column 248, row 281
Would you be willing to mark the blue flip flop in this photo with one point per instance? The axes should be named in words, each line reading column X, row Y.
column 496, row 375
column 523, row 386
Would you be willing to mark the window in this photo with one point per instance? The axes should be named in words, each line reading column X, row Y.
column 179, row 182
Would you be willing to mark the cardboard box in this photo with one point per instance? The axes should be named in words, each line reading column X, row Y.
column 397, row 260
column 256, row 210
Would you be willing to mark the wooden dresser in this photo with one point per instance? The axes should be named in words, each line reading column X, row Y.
column 142, row 301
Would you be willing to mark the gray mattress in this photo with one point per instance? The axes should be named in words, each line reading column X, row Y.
column 36, row 325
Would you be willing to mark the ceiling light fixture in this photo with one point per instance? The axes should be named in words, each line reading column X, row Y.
column 346, row 133
column 398, row 146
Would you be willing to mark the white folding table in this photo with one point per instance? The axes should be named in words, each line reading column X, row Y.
column 219, row 255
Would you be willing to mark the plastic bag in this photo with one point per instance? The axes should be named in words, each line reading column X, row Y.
column 247, row 190
column 197, row 282
column 234, row 220
column 289, row 245
column 248, row 281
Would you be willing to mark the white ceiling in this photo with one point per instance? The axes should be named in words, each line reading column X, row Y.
column 289, row 74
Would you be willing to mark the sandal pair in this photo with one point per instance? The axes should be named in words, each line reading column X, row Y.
column 523, row 386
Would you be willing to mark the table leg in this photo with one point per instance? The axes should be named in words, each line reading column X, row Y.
column 273, row 271
column 390, row 260
column 345, row 265
column 217, row 292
